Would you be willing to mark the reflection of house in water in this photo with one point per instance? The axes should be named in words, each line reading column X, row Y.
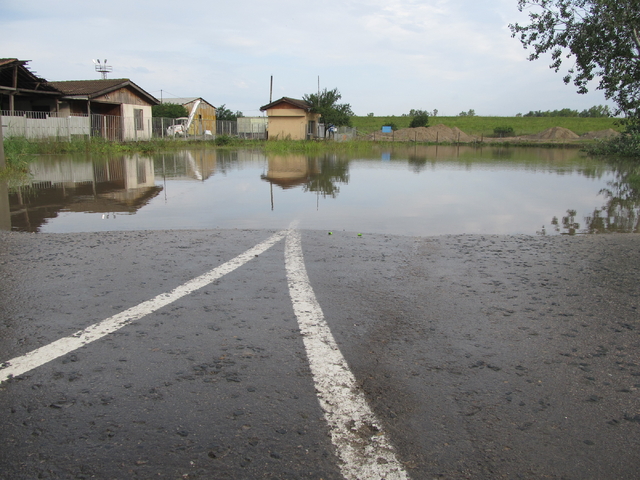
column 118, row 185
column 188, row 164
column 319, row 174
column 290, row 170
column 5, row 214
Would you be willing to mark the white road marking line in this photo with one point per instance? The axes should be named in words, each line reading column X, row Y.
column 360, row 443
column 35, row 358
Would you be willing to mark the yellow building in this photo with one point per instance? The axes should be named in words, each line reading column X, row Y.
column 291, row 119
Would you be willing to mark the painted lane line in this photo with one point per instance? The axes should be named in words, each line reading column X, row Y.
column 360, row 443
column 35, row 358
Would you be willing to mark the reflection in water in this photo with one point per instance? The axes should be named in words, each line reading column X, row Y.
column 112, row 186
column 318, row 174
column 418, row 190
column 620, row 214
column 5, row 214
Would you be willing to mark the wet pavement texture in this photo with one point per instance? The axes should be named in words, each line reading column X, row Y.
column 482, row 356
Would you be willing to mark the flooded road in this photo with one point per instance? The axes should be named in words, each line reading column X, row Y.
column 290, row 353
column 479, row 356
column 406, row 191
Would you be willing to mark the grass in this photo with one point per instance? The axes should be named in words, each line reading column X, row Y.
column 484, row 126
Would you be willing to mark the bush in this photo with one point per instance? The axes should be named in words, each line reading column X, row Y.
column 393, row 126
column 222, row 140
column 504, row 131
column 626, row 145
column 420, row 120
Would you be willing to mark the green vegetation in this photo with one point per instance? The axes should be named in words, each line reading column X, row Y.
column 504, row 131
column 169, row 110
column 596, row 111
column 485, row 126
column 626, row 145
column 311, row 147
column 600, row 39
column 420, row 118
column 223, row 113
column 331, row 112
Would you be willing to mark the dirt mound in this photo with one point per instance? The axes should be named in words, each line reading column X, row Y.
column 436, row 133
column 608, row 133
column 554, row 133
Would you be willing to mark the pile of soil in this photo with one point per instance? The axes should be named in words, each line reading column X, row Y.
column 442, row 133
column 554, row 133
column 436, row 133
column 608, row 133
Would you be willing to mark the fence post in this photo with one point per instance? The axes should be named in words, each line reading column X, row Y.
column 2, row 162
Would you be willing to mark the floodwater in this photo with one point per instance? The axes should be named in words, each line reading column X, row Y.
column 419, row 190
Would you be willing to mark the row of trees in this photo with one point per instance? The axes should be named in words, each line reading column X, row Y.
column 597, row 111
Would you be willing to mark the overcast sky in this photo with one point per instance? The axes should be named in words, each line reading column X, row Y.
column 384, row 56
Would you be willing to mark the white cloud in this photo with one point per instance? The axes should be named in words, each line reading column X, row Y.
column 385, row 56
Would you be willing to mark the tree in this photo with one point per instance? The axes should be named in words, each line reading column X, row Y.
column 420, row 118
column 600, row 35
column 224, row 114
column 169, row 110
column 331, row 112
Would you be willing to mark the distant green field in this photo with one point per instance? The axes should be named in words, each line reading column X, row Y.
column 485, row 125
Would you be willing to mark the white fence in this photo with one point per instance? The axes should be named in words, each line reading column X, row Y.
column 36, row 125
column 41, row 125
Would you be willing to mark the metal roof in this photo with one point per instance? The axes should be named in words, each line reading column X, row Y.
column 292, row 101
column 185, row 100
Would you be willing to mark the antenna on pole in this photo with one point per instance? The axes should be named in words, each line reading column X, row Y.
column 271, row 90
column 103, row 68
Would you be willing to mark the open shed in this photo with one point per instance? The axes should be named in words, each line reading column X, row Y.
column 22, row 90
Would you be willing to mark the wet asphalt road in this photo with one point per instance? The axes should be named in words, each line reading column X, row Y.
column 483, row 356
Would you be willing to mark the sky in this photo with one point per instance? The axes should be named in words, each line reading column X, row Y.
column 385, row 57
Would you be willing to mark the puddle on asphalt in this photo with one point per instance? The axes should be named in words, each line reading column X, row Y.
column 419, row 190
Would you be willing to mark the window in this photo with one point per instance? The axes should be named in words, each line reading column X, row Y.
column 138, row 119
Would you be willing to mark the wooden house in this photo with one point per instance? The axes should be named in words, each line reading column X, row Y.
column 290, row 118
column 119, row 109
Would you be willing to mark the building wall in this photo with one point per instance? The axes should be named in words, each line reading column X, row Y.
column 204, row 119
column 289, row 123
column 122, row 95
column 136, row 129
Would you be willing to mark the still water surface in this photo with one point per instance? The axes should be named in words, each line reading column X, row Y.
column 405, row 190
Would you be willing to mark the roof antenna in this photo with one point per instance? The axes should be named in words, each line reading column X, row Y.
column 103, row 68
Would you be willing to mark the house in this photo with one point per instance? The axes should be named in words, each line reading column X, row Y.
column 23, row 90
column 119, row 109
column 290, row 118
column 202, row 115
